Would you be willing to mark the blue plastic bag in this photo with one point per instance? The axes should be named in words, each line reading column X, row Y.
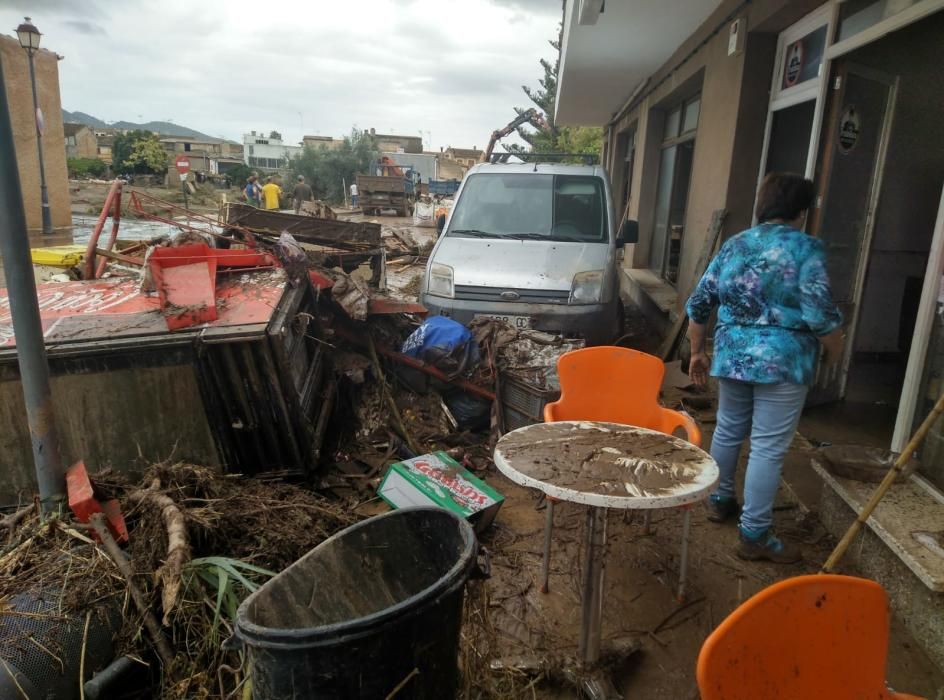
column 443, row 343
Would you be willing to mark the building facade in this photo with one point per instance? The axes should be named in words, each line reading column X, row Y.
column 466, row 157
column 206, row 155
column 20, row 100
column 80, row 141
column 719, row 94
column 328, row 143
column 268, row 152
column 394, row 143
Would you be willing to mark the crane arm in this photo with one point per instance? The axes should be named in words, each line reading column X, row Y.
column 531, row 116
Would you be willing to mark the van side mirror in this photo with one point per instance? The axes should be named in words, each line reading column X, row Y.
column 629, row 233
column 440, row 223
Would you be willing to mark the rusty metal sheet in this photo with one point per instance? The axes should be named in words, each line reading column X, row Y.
column 308, row 229
column 102, row 309
column 379, row 306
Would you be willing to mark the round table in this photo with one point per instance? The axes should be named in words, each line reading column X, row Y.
column 604, row 465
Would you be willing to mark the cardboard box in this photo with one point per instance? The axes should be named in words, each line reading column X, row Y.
column 438, row 480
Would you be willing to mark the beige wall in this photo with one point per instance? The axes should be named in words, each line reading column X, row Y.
column 86, row 145
column 20, row 100
column 729, row 139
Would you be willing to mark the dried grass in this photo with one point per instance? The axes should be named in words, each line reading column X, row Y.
column 266, row 525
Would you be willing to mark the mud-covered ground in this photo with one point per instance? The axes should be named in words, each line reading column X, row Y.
column 641, row 568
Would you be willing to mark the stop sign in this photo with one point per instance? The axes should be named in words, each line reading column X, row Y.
column 182, row 164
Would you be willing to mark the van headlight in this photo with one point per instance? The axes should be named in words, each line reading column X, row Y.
column 440, row 281
column 587, row 288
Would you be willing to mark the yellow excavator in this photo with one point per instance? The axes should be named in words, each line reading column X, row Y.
column 531, row 116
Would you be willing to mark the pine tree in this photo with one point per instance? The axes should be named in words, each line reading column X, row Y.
column 554, row 139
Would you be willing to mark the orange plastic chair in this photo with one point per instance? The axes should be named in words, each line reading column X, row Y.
column 617, row 385
column 819, row 636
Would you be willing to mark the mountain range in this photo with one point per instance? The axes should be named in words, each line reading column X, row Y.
column 167, row 128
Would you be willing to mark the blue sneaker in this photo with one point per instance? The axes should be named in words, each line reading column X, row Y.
column 767, row 546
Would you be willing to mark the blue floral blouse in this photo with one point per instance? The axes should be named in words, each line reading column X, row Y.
column 772, row 290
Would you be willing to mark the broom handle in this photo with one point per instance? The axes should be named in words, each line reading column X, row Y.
column 884, row 486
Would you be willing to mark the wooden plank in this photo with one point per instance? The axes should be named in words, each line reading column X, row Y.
column 112, row 255
column 670, row 344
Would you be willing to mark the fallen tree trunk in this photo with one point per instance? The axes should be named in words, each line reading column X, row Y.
column 178, row 545
column 99, row 524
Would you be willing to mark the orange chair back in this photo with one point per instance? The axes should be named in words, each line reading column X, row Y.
column 617, row 385
column 819, row 636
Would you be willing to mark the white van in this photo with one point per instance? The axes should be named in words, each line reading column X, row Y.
column 532, row 244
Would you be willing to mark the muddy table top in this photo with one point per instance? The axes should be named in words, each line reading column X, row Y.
column 607, row 464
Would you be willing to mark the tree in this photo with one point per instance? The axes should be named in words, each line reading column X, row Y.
column 147, row 156
column 238, row 174
column 554, row 138
column 85, row 167
column 327, row 171
column 121, row 149
column 127, row 155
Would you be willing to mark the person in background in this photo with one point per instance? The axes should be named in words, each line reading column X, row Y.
column 251, row 191
column 775, row 311
column 258, row 184
column 271, row 193
column 353, row 189
column 301, row 193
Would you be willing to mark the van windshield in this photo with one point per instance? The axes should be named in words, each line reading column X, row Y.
column 531, row 207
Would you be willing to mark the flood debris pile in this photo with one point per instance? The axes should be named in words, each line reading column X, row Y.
column 365, row 380
column 199, row 542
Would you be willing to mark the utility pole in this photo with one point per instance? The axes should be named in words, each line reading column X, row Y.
column 27, row 325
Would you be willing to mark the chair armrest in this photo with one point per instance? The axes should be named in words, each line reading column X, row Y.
column 550, row 412
column 672, row 420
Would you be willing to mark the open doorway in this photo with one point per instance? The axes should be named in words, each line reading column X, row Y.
column 879, row 240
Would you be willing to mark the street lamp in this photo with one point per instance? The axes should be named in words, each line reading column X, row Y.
column 29, row 39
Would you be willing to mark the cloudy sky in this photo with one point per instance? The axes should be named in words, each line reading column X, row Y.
column 451, row 68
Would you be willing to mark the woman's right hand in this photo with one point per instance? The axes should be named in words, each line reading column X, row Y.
column 834, row 344
column 698, row 368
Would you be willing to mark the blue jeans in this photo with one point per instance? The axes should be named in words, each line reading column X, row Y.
column 769, row 414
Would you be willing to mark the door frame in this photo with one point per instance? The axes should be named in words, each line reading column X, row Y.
column 781, row 99
column 917, row 357
column 842, row 70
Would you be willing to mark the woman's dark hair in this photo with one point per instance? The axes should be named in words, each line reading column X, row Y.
column 783, row 196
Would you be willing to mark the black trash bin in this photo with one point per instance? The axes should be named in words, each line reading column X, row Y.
column 356, row 615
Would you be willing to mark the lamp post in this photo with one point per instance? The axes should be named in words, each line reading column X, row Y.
column 29, row 39
column 27, row 322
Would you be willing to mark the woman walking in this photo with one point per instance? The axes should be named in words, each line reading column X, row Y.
column 775, row 310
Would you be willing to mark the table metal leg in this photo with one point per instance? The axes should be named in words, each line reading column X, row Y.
column 594, row 682
column 683, row 559
column 647, row 522
column 548, row 529
column 592, row 603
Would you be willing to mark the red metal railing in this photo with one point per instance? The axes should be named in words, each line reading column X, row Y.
column 112, row 202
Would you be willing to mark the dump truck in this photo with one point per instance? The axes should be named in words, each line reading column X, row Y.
column 377, row 192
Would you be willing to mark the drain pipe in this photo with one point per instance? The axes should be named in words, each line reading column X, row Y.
column 97, row 687
column 27, row 325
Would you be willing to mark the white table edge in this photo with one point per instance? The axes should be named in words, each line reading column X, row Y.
column 563, row 493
